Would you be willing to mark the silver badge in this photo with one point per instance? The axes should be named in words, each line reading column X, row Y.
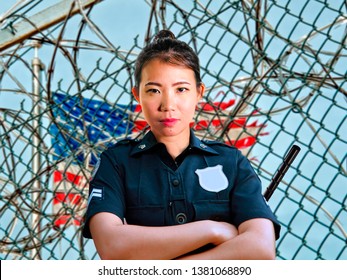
column 212, row 179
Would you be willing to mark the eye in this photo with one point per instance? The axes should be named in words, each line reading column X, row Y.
column 182, row 89
column 153, row 90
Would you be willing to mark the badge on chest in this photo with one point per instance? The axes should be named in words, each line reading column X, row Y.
column 212, row 179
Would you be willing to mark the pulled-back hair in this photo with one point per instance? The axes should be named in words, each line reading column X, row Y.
column 167, row 48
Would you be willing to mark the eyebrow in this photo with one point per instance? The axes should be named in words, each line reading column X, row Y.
column 174, row 84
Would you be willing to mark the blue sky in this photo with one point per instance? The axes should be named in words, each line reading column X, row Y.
column 122, row 21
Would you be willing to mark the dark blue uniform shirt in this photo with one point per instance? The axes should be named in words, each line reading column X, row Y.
column 139, row 182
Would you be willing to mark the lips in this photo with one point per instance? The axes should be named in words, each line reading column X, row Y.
column 169, row 121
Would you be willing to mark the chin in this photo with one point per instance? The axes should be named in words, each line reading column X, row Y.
column 166, row 132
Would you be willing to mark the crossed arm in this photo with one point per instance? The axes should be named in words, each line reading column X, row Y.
column 254, row 239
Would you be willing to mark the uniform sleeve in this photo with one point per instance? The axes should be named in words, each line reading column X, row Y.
column 247, row 201
column 106, row 192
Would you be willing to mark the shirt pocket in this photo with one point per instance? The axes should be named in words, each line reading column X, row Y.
column 146, row 215
column 216, row 210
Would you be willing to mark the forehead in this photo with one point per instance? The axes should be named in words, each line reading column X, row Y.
column 156, row 70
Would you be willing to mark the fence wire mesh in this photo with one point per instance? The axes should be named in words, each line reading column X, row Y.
column 275, row 73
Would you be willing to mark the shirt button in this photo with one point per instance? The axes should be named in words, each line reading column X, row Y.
column 181, row 218
column 175, row 182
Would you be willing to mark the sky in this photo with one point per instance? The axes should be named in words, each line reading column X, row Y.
column 124, row 20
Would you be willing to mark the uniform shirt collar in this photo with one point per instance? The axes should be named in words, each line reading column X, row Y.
column 148, row 142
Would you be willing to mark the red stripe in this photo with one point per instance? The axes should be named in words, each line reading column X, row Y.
column 139, row 126
column 68, row 176
column 138, row 108
column 70, row 198
column 242, row 143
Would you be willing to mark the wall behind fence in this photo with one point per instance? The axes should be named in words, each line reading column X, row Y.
column 275, row 73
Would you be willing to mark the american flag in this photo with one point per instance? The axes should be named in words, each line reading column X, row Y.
column 82, row 128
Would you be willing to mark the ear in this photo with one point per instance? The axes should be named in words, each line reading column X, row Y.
column 201, row 90
column 135, row 92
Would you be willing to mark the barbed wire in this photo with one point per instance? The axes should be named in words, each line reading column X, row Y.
column 275, row 75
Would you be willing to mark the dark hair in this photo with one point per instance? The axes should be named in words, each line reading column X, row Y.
column 167, row 48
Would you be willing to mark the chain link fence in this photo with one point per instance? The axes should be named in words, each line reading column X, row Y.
column 275, row 73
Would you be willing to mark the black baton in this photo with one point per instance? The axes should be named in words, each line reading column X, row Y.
column 289, row 158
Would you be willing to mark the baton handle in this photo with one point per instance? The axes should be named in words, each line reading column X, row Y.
column 287, row 161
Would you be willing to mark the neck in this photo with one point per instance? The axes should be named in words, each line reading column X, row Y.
column 174, row 149
column 175, row 145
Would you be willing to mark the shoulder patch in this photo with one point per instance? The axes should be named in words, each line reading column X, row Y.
column 97, row 193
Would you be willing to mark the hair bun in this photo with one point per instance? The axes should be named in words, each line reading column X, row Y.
column 164, row 34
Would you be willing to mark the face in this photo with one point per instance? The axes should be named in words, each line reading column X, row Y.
column 168, row 95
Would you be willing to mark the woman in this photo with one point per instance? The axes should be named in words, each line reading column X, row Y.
column 171, row 195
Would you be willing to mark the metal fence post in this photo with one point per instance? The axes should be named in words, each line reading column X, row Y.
column 36, row 156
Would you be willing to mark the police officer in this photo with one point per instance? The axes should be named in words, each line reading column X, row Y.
column 171, row 195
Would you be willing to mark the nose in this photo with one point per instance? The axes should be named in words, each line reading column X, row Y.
column 168, row 102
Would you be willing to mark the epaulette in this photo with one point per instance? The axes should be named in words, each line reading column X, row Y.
column 122, row 141
column 216, row 143
column 127, row 141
